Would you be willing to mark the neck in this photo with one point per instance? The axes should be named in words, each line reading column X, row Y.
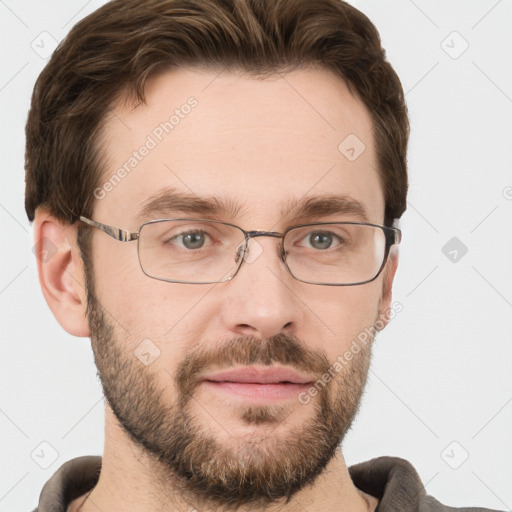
column 130, row 480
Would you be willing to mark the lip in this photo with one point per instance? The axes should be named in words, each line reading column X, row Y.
column 258, row 385
column 260, row 375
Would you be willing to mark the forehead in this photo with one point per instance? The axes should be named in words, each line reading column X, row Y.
column 259, row 146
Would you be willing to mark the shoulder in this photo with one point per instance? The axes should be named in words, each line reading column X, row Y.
column 398, row 487
column 74, row 478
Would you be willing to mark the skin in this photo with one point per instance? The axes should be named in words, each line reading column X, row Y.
column 278, row 146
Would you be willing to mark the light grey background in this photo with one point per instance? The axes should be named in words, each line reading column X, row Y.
column 440, row 387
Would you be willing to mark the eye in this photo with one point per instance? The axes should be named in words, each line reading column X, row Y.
column 190, row 239
column 322, row 240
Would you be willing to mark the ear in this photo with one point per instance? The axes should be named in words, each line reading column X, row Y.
column 61, row 273
column 387, row 285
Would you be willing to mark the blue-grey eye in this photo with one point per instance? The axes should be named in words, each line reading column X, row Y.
column 321, row 239
column 190, row 239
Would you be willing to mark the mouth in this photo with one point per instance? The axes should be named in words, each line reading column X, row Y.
column 259, row 383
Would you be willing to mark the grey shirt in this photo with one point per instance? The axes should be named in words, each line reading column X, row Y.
column 392, row 480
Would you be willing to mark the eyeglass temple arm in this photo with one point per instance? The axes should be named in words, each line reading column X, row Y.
column 394, row 236
column 117, row 233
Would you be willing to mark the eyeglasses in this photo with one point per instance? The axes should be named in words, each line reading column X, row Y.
column 203, row 251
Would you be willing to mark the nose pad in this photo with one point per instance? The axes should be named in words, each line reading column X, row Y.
column 240, row 251
column 250, row 255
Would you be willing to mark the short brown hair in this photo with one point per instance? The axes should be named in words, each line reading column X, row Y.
column 119, row 46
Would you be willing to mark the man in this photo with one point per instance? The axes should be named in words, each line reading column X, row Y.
column 221, row 181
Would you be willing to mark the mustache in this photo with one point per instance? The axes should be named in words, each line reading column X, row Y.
column 284, row 349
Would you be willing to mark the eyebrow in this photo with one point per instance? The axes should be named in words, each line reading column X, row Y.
column 323, row 206
column 171, row 201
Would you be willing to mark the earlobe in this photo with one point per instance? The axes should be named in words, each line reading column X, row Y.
column 60, row 272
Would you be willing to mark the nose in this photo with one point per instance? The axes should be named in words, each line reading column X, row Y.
column 261, row 300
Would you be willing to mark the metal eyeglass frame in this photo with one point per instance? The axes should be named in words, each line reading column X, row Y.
column 393, row 237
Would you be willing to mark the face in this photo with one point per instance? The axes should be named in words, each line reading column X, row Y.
column 260, row 147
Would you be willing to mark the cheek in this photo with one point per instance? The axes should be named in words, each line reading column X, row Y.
column 144, row 308
column 343, row 315
column 122, row 290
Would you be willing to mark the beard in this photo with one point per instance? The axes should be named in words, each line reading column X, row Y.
column 256, row 469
